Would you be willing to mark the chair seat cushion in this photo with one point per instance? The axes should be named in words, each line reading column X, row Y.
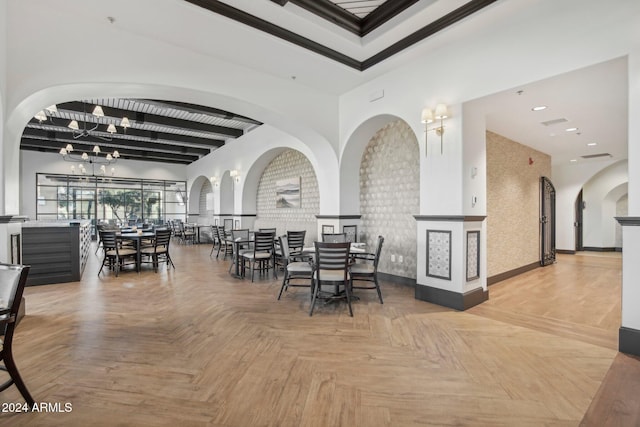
column 299, row 267
column 257, row 255
column 151, row 251
column 359, row 268
column 331, row 275
column 122, row 252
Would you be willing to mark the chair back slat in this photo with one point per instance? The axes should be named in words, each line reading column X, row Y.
column 332, row 256
column 109, row 240
column 163, row 237
column 263, row 242
column 295, row 239
column 334, row 237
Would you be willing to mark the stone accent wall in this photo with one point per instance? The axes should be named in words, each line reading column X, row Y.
column 289, row 164
column 390, row 196
column 513, row 203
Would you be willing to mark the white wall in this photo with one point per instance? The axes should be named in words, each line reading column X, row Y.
column 598, row 216
column 496, row 58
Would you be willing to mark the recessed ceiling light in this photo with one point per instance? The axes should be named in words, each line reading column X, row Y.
column 592, row 144
column 539, row 108
column 571, row 129
column 573, row 160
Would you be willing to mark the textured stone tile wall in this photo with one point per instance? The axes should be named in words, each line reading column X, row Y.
column 289, row 164
column 390, row 196
column 513, row 203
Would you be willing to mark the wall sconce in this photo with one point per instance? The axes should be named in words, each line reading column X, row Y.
column 235, row 175
column 428, row 117
column 214, row 181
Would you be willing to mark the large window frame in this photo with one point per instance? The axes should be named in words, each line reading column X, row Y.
column 123, row 201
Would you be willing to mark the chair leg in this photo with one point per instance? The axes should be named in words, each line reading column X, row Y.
column 12, row 369
column 347, row 292
column 285, row 283
column 314, row 293
column 375, row 280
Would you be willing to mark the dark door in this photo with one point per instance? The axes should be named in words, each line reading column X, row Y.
column 578, row 223
column 547, row 222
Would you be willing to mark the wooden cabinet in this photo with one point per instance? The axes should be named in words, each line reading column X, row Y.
column 57, row 252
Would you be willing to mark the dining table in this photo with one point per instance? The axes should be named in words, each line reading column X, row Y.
column 136, row 237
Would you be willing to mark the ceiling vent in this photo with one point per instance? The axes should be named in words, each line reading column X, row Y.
column 594, row 156
column 553, row 122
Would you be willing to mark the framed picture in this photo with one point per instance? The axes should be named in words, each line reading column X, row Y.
column 228, row 224
column 237, row 224
column 351, row 232
column 327, row 229
column 288, row 193
column 439, row 254
column 473, row 255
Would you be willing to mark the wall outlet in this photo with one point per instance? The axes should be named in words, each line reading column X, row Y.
column 400, row 258
column 393, row 258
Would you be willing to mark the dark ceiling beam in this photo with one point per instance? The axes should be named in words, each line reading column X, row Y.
column 382, row 14
column 269, row 28
column 125, row 153
column 280, row 2
column 333, row 13
column 139, row 133
column 153, row 119
column 262, row 25
column 64, row 138
column 428, row 30
column 200, row 109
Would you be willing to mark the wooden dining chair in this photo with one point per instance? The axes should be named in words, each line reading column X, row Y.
column 160, row 250
column 240, row 235
column 12, row 281
column 295, row 240
column 331, row 267
column 366, row 269
column 300, row 270
column 224, row 244
column 116, row 257
column 262, row 255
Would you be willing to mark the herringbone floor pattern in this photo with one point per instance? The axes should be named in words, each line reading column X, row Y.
column 195, row 347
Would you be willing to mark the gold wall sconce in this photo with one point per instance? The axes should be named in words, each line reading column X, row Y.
column 428, row 117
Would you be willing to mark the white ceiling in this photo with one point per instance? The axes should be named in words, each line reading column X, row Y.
column 593, row 99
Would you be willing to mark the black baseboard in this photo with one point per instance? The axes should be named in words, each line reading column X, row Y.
column 455, row 300
column 406, row 281
column 512, row 273
column 629, row 341
column 597, row 249
column 565, row 251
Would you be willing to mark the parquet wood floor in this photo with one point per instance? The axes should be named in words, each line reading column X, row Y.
column 195, row 347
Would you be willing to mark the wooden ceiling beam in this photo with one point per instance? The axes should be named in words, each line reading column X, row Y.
column 143, row 135
column 152, row 119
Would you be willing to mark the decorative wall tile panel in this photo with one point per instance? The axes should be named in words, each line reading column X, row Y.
column 390, row 196
column 473, row 255
column 289, row 164
column 439, row 254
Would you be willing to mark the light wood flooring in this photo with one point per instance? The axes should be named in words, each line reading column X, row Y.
column 195, row 347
